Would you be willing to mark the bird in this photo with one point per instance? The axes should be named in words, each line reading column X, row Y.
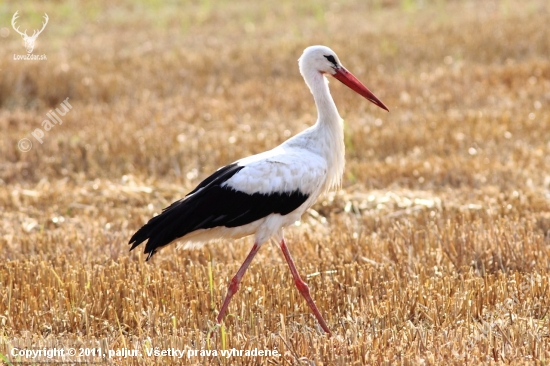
column 262, row 194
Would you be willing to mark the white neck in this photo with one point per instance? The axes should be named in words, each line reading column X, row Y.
column 328, row 128
column 326, row 109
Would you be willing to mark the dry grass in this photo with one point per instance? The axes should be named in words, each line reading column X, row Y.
column 436, row 251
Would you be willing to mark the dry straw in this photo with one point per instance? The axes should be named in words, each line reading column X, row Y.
column 436, row 251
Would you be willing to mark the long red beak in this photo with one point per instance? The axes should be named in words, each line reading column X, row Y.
column 354, row 84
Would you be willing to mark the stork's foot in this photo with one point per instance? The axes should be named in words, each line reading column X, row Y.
column 302, row 286
column 231, row 290
column 236, row 282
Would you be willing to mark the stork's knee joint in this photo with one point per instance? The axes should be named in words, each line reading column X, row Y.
column 301, row 285
column 234, row 285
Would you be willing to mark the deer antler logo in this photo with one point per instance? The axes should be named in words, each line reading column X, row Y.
column 28, row 40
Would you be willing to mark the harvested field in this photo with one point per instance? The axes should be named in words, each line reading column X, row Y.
column 435, row 251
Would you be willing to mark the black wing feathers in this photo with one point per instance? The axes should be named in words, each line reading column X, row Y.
column 210, row 205
column 219, row 176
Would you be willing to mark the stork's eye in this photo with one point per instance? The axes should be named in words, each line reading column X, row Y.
column 331, row 59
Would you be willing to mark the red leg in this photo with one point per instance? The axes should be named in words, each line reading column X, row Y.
column 236, row 281
column 303, row 287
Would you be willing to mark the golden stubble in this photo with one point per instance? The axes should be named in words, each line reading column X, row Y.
column 435, row 251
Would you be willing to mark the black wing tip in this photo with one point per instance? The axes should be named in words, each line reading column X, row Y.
column 162, row 229
column 136, row 243
column 139, row 237
column 152, row 234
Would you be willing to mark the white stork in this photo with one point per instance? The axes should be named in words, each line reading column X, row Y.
column 263, row 193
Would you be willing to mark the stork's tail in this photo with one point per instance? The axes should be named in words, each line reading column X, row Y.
column 189, row 213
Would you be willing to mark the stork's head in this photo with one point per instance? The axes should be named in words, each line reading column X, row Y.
column 319, row 58
column 323, row 60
